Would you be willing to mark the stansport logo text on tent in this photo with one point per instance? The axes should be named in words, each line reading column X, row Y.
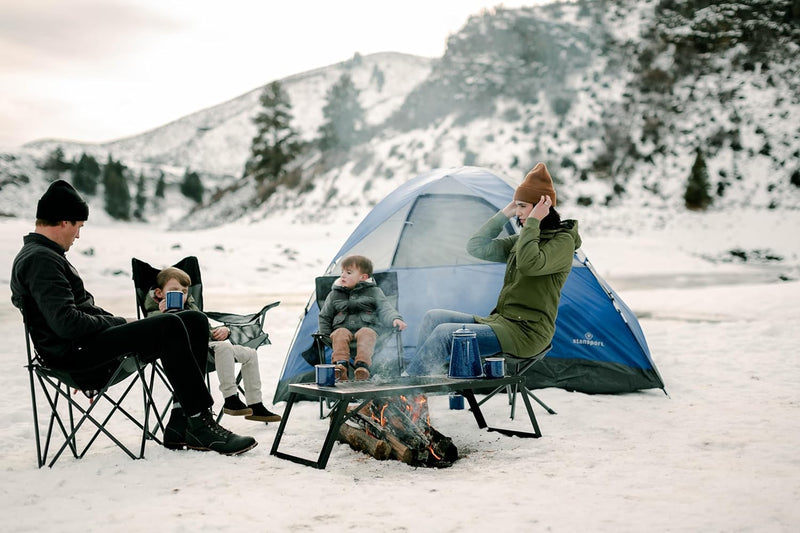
column 588, row 339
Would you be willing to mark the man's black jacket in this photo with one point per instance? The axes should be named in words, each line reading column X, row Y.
column 58, row 307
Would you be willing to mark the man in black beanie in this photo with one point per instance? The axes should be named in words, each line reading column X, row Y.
column 71, row 333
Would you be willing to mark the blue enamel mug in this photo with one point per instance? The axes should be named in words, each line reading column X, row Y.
column 456, row 401
column 326, row 375
column 174, row 300
column 494, row 367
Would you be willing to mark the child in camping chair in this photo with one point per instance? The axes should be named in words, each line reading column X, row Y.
column 355, row 309
column 175, row 279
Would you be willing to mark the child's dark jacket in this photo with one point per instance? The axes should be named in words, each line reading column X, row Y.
column 364, row 305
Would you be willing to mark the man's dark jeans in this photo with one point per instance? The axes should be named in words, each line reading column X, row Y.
column 180, row 340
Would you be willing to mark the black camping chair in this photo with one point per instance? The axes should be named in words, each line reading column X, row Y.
column 518, row 366
column 65, row 414
column 245, row 330
column 387, row 282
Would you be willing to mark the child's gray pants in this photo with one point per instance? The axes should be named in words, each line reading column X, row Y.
column 225, row 354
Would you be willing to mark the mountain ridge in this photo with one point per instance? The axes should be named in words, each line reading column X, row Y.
column 616, row 97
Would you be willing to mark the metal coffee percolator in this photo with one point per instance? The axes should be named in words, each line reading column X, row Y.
column 465, row 358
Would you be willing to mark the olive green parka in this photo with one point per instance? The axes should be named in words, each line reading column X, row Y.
column 537, row 265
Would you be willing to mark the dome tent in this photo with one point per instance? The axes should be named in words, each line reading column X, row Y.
column 420, row 232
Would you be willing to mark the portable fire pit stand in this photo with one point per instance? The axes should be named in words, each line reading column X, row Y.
column 345, row 392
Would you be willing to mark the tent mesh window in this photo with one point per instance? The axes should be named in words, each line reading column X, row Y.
column 437, row 228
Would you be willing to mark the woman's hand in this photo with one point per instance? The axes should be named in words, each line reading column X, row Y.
column 542, row 208
column 510, row 210
column 399, row 324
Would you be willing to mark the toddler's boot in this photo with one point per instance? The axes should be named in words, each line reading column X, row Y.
column 362, row 371
column 341, row 370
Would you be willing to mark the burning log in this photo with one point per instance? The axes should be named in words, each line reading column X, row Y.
column 403, row 425
column 400, row 451
column 362, row 441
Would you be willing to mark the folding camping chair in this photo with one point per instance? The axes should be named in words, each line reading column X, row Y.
column 387, row 282
column 245, row 330
column 68, row 418
column 517, row 366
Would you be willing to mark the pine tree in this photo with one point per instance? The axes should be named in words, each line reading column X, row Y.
column 377, row 77
column 117, row 195
column 276, row 144
column 141, row 199
column 192, row 187
column 86, row 174
column 697, row 194
column 344, row 116
column 160, row 185
column 55, row 164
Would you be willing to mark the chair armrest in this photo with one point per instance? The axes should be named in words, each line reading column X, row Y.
column 320, row 342
column 245, row 330
column 322, row 338
column 233, row 318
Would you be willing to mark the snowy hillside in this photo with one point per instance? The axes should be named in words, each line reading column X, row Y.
column 217, row 140
column 610, row 95
column 616, row 97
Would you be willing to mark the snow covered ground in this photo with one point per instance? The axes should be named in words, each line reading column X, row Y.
column 718, row 454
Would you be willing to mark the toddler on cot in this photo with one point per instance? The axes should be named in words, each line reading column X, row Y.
column 355, row 309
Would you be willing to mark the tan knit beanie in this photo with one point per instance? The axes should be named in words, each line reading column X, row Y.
column 535, row 185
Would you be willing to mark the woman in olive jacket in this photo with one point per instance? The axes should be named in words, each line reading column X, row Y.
column 538, row 261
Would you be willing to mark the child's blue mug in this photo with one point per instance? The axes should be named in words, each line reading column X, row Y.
column 174, row 300
column 494, row 367
column 456, row 401
column 326, row 375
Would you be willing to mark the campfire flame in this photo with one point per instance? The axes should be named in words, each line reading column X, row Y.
column 416, row 408
column 433, row 453
column 405, row 423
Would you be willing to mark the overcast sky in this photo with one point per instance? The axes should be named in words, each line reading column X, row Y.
column 98, row 70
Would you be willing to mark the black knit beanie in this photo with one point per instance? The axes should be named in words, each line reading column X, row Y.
column 62, row 202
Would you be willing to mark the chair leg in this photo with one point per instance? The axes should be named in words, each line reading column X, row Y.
column 69, row 436
column 513, row 369
column 515, row 388
column 540, row 402
column 149, row 404
column 525, row 390
column 493, row 393
column 54, row 390
column 320, row 346
column 401, row 363
column 35, row 418
column 146, row 428
column 101, row 426
column 160, row 415
column 325, row 402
